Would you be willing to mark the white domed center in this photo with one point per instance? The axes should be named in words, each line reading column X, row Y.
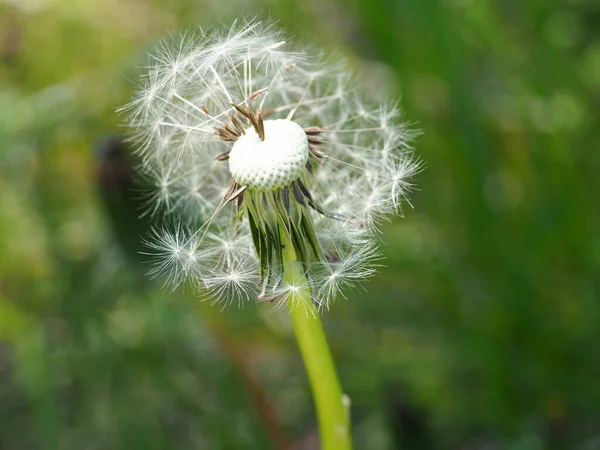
column 273, row 163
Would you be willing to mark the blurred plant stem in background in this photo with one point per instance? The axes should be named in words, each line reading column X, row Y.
column 332, row 411
column 212, row 318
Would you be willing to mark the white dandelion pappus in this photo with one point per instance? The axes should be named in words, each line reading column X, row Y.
column 246, row 138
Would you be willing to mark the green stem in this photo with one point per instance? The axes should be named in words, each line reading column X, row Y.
column 333, row 414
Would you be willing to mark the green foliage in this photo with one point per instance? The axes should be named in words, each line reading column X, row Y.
column 480, row 332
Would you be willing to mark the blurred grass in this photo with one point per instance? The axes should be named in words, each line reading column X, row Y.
column 481, row 332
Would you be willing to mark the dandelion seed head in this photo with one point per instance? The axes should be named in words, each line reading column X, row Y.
column 229, row 282
column 293, row 294
column 248, row 140
column 175, row 256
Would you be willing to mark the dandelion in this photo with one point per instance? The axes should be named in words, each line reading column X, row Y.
column 275, row 166
column 245, row 139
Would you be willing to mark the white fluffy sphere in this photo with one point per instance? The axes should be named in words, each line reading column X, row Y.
column 273, row 163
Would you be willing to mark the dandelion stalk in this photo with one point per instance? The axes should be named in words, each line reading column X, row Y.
column 334, row 419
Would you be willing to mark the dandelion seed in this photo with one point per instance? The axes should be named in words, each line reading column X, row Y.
column 247, row 140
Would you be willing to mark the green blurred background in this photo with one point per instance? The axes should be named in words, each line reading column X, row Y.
column 483, row 329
